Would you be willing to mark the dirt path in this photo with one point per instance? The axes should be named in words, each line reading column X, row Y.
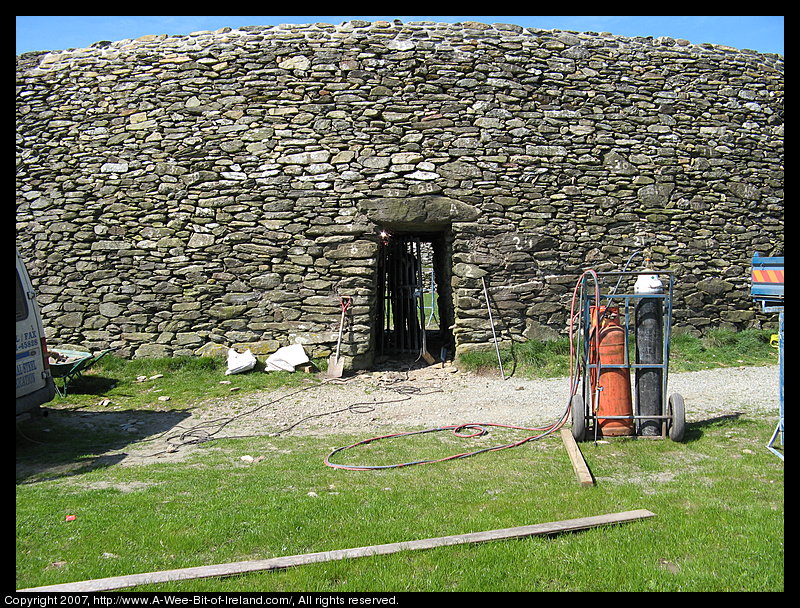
column 377, row 402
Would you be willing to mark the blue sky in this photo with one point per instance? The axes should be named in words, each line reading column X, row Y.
column 41, row 33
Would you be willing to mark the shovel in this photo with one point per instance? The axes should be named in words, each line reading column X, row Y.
column 335, row 364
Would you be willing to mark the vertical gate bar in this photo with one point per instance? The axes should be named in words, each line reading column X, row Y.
column 420, row 299
column 401, row 281
column 392, row 318
column 408, row 274
column 411, row 299
column 387, row 303
column 404, row 278
column 392, row 300
column 380, row 304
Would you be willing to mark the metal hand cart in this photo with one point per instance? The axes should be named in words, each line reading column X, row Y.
column 69, row 365
column 767, row 288
column 665, row 417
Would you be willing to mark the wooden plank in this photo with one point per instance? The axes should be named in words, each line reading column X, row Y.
column 578, row 463
column 119, row 582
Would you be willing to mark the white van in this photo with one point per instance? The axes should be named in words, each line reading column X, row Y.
column 34, row 381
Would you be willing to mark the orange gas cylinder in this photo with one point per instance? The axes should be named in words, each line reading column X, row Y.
column 615, row 383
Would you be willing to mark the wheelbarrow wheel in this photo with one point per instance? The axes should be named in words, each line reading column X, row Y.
column 578, row 418
column 677, row 421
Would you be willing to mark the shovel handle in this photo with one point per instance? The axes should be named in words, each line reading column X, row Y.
column 346, row 302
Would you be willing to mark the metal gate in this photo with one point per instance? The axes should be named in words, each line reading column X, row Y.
column 401, row 310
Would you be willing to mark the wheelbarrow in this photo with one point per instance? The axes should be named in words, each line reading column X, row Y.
column 68, row 365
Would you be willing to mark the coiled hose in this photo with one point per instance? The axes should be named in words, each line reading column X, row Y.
column 471, row 430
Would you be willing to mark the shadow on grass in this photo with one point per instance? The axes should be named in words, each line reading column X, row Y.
column 60, row 443
column 695, row 430
column 88, row 385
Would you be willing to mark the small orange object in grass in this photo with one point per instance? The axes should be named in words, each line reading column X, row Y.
column 70, row 518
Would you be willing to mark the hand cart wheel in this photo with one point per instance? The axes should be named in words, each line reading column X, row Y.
column 578, row 418
column 676, row 424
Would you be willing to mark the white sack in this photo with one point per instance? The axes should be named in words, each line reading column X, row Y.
column 286, row 358
column 239, row 362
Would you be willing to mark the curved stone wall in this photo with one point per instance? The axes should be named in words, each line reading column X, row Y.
column 180, row 193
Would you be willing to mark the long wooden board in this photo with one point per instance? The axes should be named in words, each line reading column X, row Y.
column 578, row 463
column 119, row 582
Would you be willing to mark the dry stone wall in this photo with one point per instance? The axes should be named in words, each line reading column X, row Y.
column 179, row 195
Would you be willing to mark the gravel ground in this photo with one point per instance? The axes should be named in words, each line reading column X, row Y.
column 378, row 402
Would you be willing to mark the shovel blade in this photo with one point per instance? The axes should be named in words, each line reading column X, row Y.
column 428, row 357
column 335, row 366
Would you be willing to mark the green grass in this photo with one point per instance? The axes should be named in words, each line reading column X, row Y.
column 718, row 500
column 719, row 348
column 131, row 384
column 723, row 348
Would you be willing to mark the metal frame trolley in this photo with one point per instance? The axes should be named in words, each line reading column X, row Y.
column 640, row 368
column 767, row 288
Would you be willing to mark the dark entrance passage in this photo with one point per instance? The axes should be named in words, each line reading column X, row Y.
column 415, row 309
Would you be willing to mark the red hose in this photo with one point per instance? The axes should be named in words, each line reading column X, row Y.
column 478, row 429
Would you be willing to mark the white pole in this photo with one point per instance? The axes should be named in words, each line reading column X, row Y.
column 491, row 322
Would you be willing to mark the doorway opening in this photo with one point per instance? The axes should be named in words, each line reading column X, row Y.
column 415, row 304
